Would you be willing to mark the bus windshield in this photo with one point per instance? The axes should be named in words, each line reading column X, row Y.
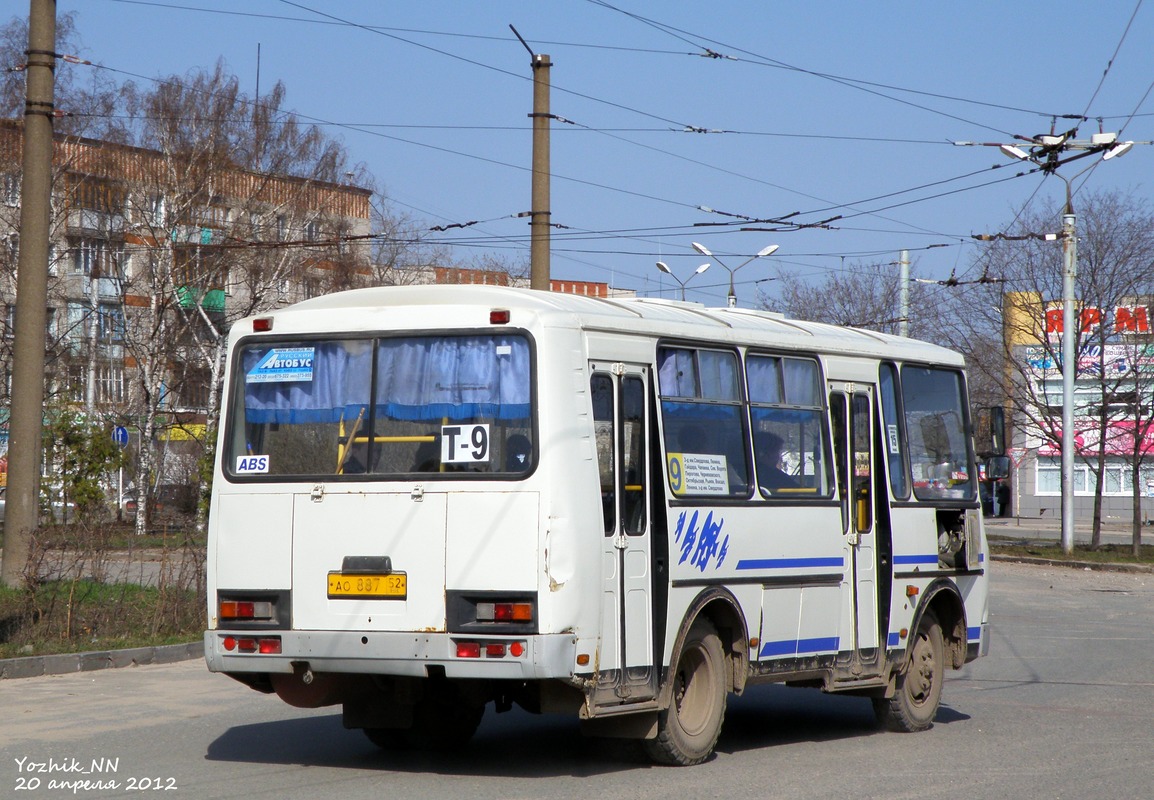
column 381, row 406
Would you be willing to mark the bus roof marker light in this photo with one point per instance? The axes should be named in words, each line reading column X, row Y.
column 499, row 316
column 262, row 325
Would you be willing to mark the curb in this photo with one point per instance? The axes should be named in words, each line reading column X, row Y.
column 1097, row 566
column 66, row 663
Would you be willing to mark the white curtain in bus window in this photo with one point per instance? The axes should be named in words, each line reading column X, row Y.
column 933, row 401
column 790, row 446
column 703, row 422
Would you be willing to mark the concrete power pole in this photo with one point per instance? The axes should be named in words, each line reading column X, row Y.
column 27, row 417
column 904, row 294
column 539, row 216
column 1069, row 368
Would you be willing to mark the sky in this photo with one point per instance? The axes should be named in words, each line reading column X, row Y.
column 829, row 128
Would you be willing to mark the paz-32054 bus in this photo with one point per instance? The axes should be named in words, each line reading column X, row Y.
column 429, row 499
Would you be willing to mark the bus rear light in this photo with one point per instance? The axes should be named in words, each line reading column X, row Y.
column 499, row 316
column 490, row 649
column 262, row 325
column 246, row 609
column 504, row 612
column 266, row 645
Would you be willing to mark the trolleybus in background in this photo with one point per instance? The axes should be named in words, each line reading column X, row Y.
column 430, row 499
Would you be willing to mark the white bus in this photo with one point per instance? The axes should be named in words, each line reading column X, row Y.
column 428, row 499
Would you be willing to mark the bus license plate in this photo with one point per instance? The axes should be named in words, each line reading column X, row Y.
column 393, row 586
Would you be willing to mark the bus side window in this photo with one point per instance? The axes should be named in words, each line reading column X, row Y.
column 633, row 429
column 840, row 423
column 601, row 390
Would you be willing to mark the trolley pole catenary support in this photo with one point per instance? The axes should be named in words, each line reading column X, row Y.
column 539, row 216
column 27, row 415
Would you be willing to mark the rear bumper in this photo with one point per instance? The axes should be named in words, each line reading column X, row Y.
column 545, row 656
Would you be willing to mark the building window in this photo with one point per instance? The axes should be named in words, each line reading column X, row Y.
column 10, row 188
column 1117, row 478
column 96, row 258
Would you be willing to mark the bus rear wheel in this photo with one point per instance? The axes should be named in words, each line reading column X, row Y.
column 687, row 730
column 919, row 689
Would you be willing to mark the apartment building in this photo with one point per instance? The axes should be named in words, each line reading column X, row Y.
column 152, row 256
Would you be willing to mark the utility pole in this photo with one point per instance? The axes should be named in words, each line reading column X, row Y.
column 1049, row 152
column 1069, row 367
column 904, row 294
column 539, row 270
column 539, row 214
column 27, row 416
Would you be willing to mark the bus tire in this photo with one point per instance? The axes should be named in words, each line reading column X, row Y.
column 918, row 692
column 687, row 730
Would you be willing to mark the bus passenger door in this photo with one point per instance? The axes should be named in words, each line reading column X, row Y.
column 621, row 419
column 851, row 410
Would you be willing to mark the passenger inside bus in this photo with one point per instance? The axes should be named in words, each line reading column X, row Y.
column 770, row 476
column 518, row 453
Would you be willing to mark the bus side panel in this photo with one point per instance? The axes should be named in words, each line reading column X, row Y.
column 780, row 621
column 915, row 548
column 251, row 544
column 492, row 541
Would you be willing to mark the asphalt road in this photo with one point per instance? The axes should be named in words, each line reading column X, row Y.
column 1062, row 708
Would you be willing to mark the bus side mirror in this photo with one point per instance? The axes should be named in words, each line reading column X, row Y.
column 990, row 431
column 997, row 467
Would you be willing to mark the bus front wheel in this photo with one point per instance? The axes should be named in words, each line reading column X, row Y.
column 687, row 730
column 919, row 689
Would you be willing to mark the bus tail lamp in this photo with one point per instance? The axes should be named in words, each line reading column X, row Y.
column 504, row 612
column 499, row 316
column 245, row 609
column 474, row 649
column 265, row 645
column 262, row 325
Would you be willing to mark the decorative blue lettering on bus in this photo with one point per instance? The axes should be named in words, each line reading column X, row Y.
column 283, row 365
column 701, row 545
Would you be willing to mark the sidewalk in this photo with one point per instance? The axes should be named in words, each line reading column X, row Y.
column 1050, row 530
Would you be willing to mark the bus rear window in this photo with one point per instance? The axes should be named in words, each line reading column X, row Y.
column 397, row 406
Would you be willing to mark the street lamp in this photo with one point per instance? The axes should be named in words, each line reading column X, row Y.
column 661, row 265
column 765, row 251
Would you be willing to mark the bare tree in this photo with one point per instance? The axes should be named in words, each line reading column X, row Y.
column 860, row 296
column 236, row 208
column 1115, row 270
column 86, row 98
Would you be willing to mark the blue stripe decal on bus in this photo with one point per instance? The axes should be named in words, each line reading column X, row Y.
column 789, row 563
column 931, row 558
column 799, row 647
